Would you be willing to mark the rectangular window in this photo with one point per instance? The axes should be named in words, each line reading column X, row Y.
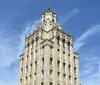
column 35, row 64
column 31, row 66
column 22, row 61
column 50, row 73
column 51, row 61
column 75, row 70
column 64, row 76
column 42, row 61
column 26, row 79
column 31, row 53
column 64, row 66
column 21, row 81
column 35, row 73
column 30, row 77
column 27, row 58
column 26, row 68
column 75, row 80
column 42, row 72
column 50, row 83
column 74, row 59
column 69, row 78
column 21, row 70
column 58, row 74
column 42, row 83
column 69, row 67
column 58, row 63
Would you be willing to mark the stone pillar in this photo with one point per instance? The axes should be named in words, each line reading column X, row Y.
column 55, row 55
column 61, row 61
column 67, row 62
column 77, row 70
column 72, row 62
column 39, row 62
column 46, row 64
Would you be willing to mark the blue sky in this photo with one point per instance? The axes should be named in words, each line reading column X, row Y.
column 81, row 18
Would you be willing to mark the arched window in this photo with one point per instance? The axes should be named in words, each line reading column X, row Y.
column 58, row 38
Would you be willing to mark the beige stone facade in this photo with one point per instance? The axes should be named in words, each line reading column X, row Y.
column 48, row 57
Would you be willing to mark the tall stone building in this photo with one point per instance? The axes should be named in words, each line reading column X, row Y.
column 49, row 58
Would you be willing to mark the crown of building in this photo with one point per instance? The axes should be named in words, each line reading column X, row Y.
column 49, row 11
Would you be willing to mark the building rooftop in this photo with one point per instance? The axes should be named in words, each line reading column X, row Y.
column 49, row 10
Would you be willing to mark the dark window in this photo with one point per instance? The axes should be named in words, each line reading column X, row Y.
column 26, row 68
column 58, row 39
column 26, row 78
column 64, row 75
column 63, row 65
column 42, row 72
column 74, row 59
column 69, row 77
column 68, row 45
column 32, row 41
column 63, row 42
column 75, row 70
column 42, row 83
column 35, row 64
column 50, row 83
column 43, row 61
column 31, row 66
column 52, row 20
column 58, row 74
column 21, row 81
column 69, row 67
column 58, row 63
column 30, row 76
column 75, row 80
column 51, row 61
column 50, row 72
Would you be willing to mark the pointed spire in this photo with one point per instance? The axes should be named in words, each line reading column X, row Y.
column 49, row 10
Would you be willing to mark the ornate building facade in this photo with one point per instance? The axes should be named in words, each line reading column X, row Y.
column 49, row 58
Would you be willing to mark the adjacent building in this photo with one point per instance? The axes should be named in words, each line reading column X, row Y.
column 49, row 58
